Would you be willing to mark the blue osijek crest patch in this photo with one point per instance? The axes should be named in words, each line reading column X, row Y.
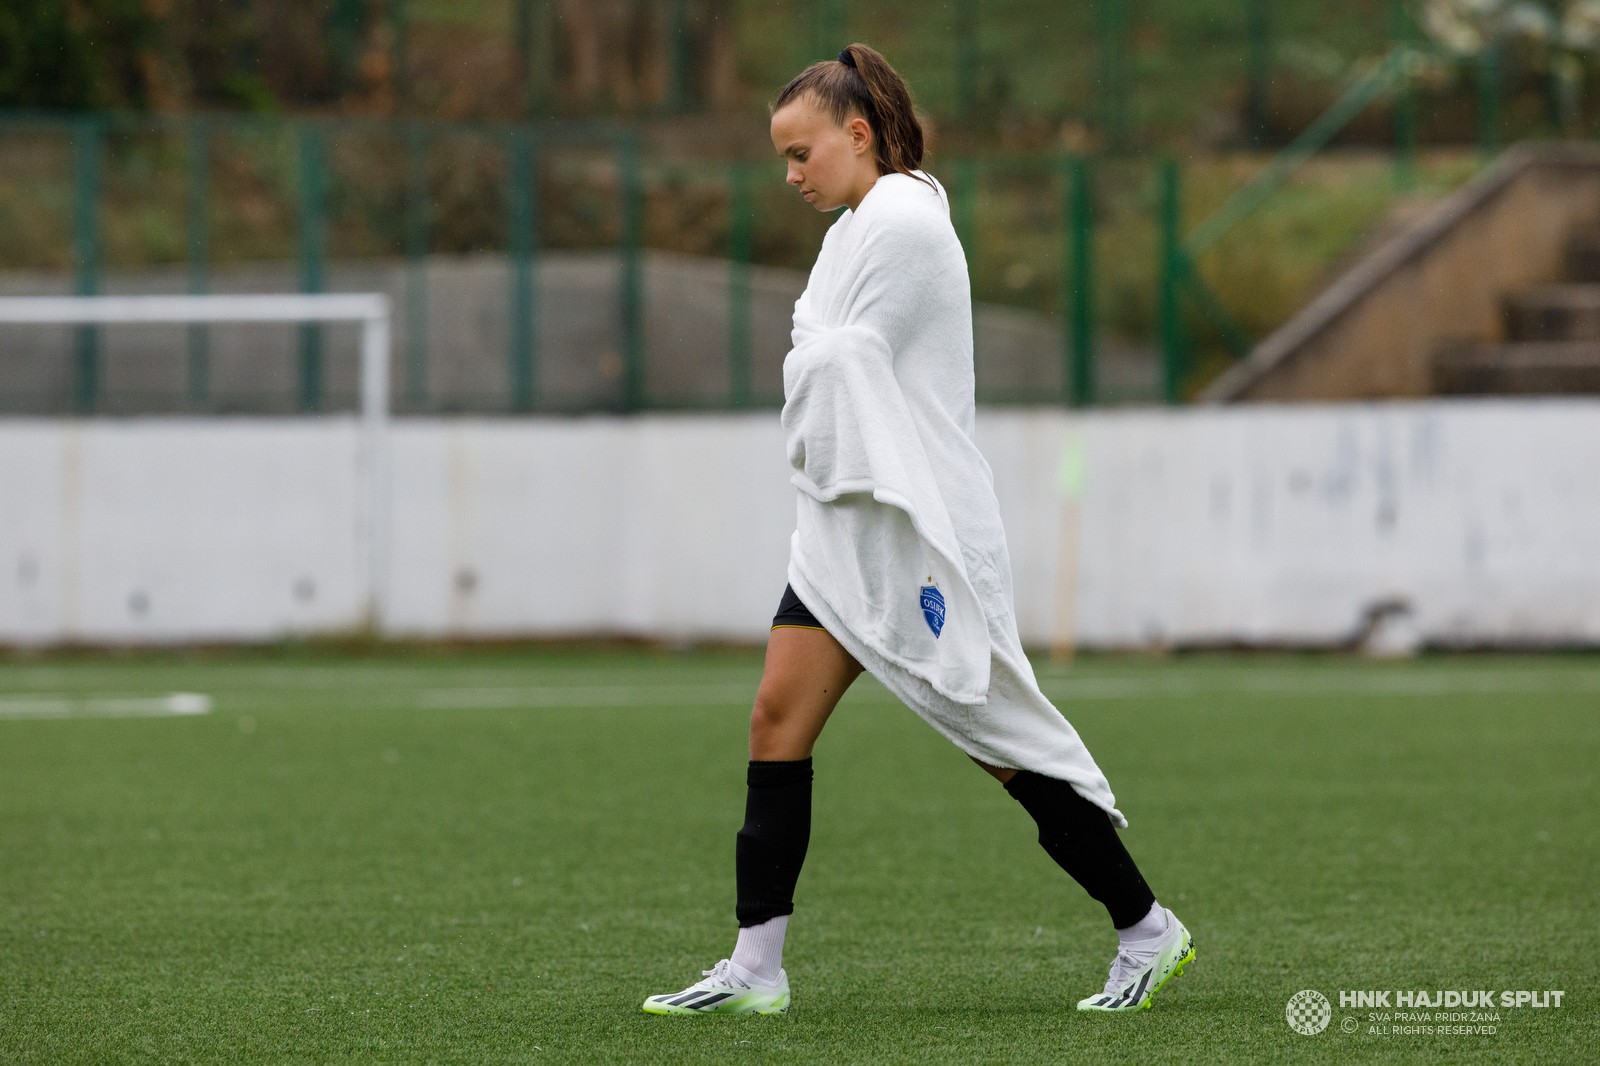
column 933, row 608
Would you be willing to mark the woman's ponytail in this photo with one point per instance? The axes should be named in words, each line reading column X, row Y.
column 861, row 81
column 899, row 132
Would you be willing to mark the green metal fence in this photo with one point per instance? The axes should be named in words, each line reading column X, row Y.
column 305, row 143
column 1180, row 278
column 1132, row 76
column 1050, row 234
column 297, row 157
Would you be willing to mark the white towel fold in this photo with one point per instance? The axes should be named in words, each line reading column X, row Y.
column 898, row 548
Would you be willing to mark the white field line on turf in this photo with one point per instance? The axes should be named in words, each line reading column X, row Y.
column 437, row 680
column 44, row 706
column 1062, row 689
column 1482, row 683
column 587, row 696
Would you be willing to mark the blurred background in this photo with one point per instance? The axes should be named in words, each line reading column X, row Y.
column 1169, row 210
column 414, row 722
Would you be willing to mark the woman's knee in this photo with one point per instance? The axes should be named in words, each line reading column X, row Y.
column 770, row 716
column 783, row 729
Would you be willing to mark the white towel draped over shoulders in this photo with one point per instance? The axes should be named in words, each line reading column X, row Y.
column 894, row 495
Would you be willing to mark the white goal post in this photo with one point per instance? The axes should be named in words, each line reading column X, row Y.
column 371, row 310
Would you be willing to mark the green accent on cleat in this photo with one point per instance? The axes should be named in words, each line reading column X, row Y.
column 1135, row 989
column 723, row 993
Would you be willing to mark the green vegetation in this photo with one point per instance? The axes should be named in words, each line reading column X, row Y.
column 492, row 857
column 1011, row 84
column 1263, row 271
column 1013, row 73
column 1340, row 205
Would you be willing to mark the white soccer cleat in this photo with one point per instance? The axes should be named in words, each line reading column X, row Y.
column 1136, row 976
column 727, row 989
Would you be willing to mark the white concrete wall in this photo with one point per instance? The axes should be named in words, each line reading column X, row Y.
column 659, row 525
column 172, row 530
column 1277, row 525
column 1287, row 525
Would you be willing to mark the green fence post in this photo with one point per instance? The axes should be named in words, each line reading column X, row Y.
column 963, row 210
column 1405, row 102
column 1259, row 61
column 312, row 254
column 520, row 222
column 631, row 289
column 827, row 28
column 963, row 216
column 1113, row 105
column 1172, row 267
column 398, row 37
column 198, row 232
column 522, row 30
column 1489, row 98
column 538, row 62
column 1078, row 378
column 343, row 32
column 88, row 137
column 679, row 87
column 739, row 223
column 966, row 27
column 533, row 55
column 416, row 248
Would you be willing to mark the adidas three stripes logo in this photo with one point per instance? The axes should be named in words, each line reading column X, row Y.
column 1132, row 993
column 701, row 999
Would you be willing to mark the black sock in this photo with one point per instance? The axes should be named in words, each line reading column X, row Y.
column 1081, row 839
column 772, row 845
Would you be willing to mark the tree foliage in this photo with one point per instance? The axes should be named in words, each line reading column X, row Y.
column 79, row 53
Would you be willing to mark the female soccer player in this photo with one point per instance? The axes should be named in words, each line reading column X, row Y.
column 898, row 563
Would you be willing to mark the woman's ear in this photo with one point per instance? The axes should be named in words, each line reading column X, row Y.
column 860, row 131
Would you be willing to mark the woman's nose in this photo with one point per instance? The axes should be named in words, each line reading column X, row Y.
column 793, row 175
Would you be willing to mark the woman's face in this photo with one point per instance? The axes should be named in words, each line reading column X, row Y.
column 833, row 166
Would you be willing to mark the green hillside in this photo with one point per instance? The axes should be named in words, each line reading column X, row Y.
column 1024, row 73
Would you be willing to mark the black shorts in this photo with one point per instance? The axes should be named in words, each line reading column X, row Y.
column 793, row 614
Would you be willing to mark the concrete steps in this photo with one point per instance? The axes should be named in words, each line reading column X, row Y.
column 1552, row 337
column 1583, row 254
column 1566, row 312
column 1426, row 311
column 1524, row 368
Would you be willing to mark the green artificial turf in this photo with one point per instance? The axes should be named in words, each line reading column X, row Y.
column 493, row 857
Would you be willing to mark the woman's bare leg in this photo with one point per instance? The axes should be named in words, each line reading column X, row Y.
column 999, row 773
column 807, row 671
